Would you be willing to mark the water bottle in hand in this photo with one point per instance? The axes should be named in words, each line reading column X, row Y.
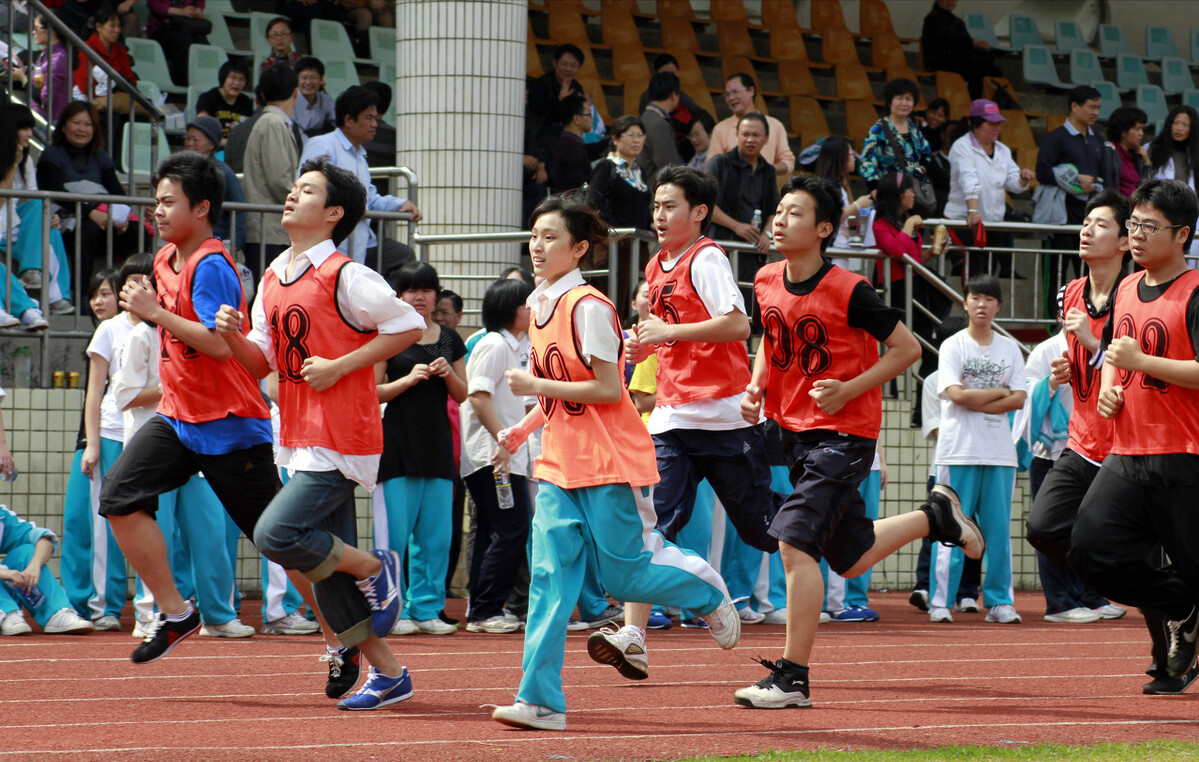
column 503, row 489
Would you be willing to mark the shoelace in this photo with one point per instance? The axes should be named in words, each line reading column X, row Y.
column 1174, row 628
column 775, row 675
column 153, row 627
column 367, row 587
column 335, row 661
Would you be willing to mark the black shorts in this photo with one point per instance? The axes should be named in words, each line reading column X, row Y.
column 155, row 462
column 825, row 515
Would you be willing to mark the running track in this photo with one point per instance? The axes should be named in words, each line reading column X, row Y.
column 897, row 684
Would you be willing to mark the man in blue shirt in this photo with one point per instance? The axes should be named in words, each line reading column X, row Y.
column 357, row 115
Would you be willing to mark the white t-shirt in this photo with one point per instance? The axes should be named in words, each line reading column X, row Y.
column 712, row 276
column 930, row 416
column 969, row 437
column 108, row 343
column 1036, row 368
column 139, row 370
column 495, row 353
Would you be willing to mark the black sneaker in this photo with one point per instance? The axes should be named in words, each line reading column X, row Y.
column 919, row 599
column 345, row 665
column 1180, row 643
column 1171, row 686
column 164, row 635
column 786, row 686
column 948, row 525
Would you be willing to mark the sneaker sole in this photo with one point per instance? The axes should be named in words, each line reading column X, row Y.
column 172, row 646
column 380, row 705
column 791, row 703
column 955, row 504
column 1178, row 687
column 603, row 652
column 529, row 724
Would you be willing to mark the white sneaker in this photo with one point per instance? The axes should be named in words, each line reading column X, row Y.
column 1003, row 614
column 62, row 307
column 825, row 617
column 14, row 624
column 1080, row 615
column 292, row 624
column 623, row 649
column 939, row 614
column 968, row 606
column 435, row 627
column 522, row 715
column 405, row 627
column 67, row 622
column 231, row 629
column 33, row 320
column 749, row 616
column 7, row 320
column 31, row 280
column 142, row 629
column 108, row 623
column 1110, row 611
column 497, row 624
column 778, row 616
column 724, row 625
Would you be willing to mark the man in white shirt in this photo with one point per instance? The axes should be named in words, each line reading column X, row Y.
column 739, row 91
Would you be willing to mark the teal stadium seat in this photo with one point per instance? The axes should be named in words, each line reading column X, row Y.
column 382, row 44
column 1039, row 68
column 330, row 42
column 340, row 74
column 1191, row 98
column 1195, row 47
column 150, row 63
column 222, row 8
column 204, row 65
column 1130, row 71
column 1111, row 98
column 1152, row 101
column 258, row 22
column 1112, row 41
column 1022, row 31
column 1176, row 75
column 220, row 36
column 1084, row 67
column 1159, row 43
column 1069, row 37
column 980, row 28
column 135, row 142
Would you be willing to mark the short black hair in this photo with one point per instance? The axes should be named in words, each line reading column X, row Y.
column 897, row 87
column 383, row 92
column 310, row 63
column 353, row 102
column 341, row 189
column 137, row 264
column 1173, row 198
column 69, row 112
column 503, row 298
column 199, row 177
column 571, row 106
column 1082, row 94
column 277, row 83
column 567, row 47
column 664, row 59
column 698, row 187
column 1114, row 200
column 746, row 80
column 937, row 104
column 525, row 275
column 623, row 124
column 827, row 195
column 416, row 276
column 103, row 13
column 663, row 85
column 232, row 65
column 1122, row 120
column 455, row 299
column 984, row 284
column 754, row 116
column 99, row 278
column 706, row 120
column 275, row 22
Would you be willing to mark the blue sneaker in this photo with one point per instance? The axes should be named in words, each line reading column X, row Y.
column 382, row 592
column 855, row 614
column 695, row 623
column 659, row 621
column 379, row 690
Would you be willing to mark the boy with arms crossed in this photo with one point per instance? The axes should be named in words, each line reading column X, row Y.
column 697, row 326
column 818, row 373
column 322, row 322
column 1143, row 495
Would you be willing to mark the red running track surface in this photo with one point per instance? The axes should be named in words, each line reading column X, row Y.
column 897, row 684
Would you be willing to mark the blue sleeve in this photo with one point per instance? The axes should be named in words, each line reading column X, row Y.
column 215, row 283
column 15, row 532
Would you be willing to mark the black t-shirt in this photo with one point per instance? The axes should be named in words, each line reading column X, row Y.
column 417, row 439
column 1171, row 469
column 228, row 114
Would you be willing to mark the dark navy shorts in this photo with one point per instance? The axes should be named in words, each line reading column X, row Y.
column 825, row 516
column 734, row 463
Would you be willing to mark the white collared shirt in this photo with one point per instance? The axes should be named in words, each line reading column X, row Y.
column 495, row 353
column 593, row 319
column 368, row 304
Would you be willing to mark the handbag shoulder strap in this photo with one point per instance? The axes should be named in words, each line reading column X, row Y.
column 896, row 146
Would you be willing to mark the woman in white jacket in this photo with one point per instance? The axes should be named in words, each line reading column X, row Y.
column 982, row 171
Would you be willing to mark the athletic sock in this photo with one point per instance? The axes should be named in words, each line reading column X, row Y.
column 640, row 632
column 180, row 617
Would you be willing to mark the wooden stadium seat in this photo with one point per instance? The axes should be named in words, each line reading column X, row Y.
column 566, row 25
column 853, row 83
column 628, row 63
column 786, row 42
column 886, row 51
column 729, row 10
column 779, row 13
column 733, row 39
column 1053, row 121
column 595, row 90
column 860, row 116
column 907, row 72
column 676, row 8
column 837, row 47
column 730, row 65
column 874, row 19
column 679, row 36
column 691, row 80
column 952, row 88
column 1017, row 133
column 807, row 119
column 633, row 88
column 619, row 29
column 533, row 67
column 795, row 78
column 826, row 15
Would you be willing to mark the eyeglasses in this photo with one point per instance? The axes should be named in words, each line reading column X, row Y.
column 277, row 35
column 1147, row 227
column 728, row 93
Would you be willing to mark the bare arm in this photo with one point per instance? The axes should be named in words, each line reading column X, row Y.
column 322, row 373
column 903, row 349
column 96, row 378
column 246, row 352
column 731, row 326
column 751, row 402
column 975, row 399
column 1013, row 401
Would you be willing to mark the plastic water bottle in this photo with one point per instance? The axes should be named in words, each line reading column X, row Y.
column 9, row 476
column 32, row 599
column 503, row 489
column 757, row 220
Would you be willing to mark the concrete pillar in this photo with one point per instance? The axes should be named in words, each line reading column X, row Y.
column 460, row 93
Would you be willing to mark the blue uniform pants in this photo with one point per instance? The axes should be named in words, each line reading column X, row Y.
column 986, row 495
column 56, row 597
column 92, row 565
column 415, row 514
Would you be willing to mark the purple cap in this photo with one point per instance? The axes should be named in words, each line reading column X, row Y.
column 988, row 110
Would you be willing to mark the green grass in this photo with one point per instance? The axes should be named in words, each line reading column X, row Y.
column 1154, row 751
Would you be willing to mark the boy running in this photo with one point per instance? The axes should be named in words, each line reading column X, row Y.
column 697, row 326
column 1143, row 495
column 596, row 469
column 322, row 322
column 819, row 375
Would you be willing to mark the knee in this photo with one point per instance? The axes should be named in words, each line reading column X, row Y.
column 272, row 540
